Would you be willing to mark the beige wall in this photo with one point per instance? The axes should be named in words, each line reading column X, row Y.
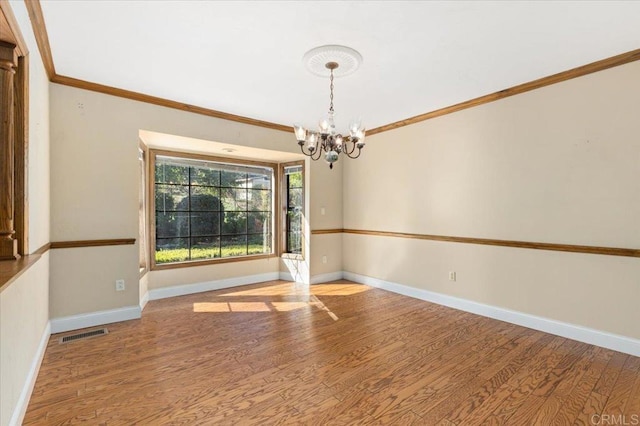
column 94, row 192
column 207, row 273
column 24, row 314
column 24, row 304
column 559, row 165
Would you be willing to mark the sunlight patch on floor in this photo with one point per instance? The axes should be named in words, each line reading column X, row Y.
column 306, row 296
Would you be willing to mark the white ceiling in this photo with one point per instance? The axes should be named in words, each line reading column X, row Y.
column 245, row 58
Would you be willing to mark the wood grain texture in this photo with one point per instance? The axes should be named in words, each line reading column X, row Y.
column 9, row 28
column 92, row 243
column 601, row 65
column 610, row 251
column 327, row 231
column 141, row 97
column 270, row 353
column 42, row 37
column 11, row 270
column 8, row 65
column 21, row 159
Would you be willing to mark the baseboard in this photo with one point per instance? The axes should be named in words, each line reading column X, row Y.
column 91, row 319
column 571, row 331
column 23, row 401
column 286, row 276
column 324, row 278
column 182, row 290
column 144, row 301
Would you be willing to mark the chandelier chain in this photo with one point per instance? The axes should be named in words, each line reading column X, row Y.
column 331, row 89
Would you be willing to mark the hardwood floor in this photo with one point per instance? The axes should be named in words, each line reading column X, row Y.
column 273, row 353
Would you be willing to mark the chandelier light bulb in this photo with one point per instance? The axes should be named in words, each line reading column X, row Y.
column 301, row 133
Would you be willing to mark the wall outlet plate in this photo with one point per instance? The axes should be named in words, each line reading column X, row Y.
column 119, row 285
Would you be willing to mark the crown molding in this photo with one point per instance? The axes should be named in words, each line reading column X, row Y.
column 42, row 38
column 141, row 97
column 40, row 31
column 601, row 65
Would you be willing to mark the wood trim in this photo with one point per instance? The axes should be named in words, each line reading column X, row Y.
column 42, row 250
column 11, row 270
column 8, row 66
column 92, row 243
column 213, row 158
column 21, row 159
column 141, row 97
column 42, row 38
column 213, row 261
column 282, row 208
column 151, row 217
column 610, row 251
column 9, row 28
column 327, row 231
column 601, row 65
column 37, row 20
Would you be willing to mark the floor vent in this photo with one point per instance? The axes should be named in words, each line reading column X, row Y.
column 85, row 335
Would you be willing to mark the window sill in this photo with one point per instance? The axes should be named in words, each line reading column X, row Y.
column 10, row 270
column 292, row 256
column 208, row 262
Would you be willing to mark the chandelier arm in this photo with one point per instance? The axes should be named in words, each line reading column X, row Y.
column 346, row 145
column 308, row 154
column 317, row 153
column 354, row 156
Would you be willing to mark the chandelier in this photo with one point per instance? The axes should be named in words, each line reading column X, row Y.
column 339, row 61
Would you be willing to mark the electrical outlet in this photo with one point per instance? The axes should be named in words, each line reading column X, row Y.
column 119, row 285
column 324, row 259
column 452, row 276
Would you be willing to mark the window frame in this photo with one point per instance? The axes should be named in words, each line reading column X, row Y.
column 151, row 204
column 144, row 209
column 283, row 209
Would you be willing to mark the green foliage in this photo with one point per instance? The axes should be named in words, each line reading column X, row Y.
column 182, row 254
column 295, row 180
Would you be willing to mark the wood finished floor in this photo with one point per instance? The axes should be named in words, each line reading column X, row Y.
column 272, row 353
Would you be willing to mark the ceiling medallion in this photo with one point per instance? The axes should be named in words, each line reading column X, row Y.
column 332, row 61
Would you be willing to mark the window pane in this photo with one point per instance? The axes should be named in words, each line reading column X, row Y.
column 205, row 199
column 205, row 176
column 234, row 179
column 172, row 197
column 206, row 210
column 259, row 223
column 295, row 197
column 172, row 250
column 205, row 248
column 259, row 200
column 294, row 221
column 172, row 224
column 259, row 181
column 205, row 223
column 259, row 243
column 295, row 180
column 294, row 242
column 167, row 173
column 234, row 199
column 234, row 223
column 233, row 245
